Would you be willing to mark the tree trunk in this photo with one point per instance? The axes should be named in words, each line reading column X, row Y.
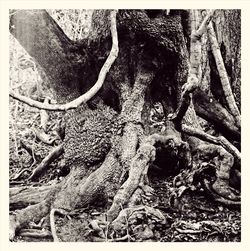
column 112, row 141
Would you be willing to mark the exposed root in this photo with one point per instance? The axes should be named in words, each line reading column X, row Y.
column 211, row 160
column 218, row 197
column 223, row 162
column 35, row 233
column 215, row 140
column 31, row 213
column 130, row 138
column 138, row 170
column 23, row 196
column 185, row 116
column 144, row 155
column 139, row 163
column 52, row 221
column 54, row 154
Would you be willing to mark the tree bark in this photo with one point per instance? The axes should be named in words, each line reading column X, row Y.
column 111, row 141
column 45, row 41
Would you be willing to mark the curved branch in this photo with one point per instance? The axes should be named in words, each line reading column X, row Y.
column 215, row 140
column 211, row 110
column 89, row 94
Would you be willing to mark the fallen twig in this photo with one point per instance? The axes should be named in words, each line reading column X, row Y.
column 123, row 238
column 188, row 231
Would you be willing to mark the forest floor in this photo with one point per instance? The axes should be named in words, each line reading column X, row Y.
column 195, row 219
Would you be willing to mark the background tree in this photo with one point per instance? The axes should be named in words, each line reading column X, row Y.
column 146, row 91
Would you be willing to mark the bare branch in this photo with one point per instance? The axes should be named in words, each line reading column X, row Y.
column 88, row 95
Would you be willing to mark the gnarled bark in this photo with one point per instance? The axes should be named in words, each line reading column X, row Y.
column 112, row 141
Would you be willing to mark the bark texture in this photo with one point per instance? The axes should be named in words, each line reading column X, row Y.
column 112, row 141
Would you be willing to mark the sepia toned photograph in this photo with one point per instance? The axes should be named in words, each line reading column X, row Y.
column 124, row 125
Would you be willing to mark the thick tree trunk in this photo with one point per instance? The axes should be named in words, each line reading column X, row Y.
column 58, row 56
column 111, row 142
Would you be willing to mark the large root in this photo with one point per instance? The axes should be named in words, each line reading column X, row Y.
column 88, row 178
column 21, row 197
column 139, row 168
column 223, row 153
